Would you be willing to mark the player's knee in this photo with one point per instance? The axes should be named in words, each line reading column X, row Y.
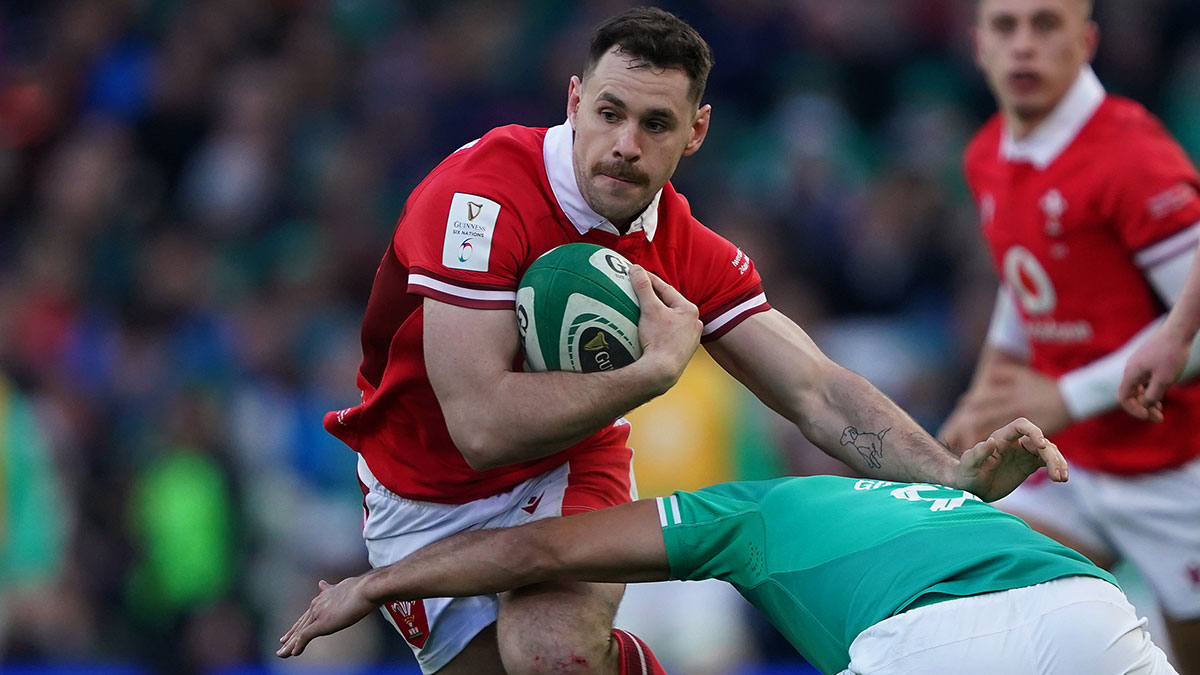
column 558, row 628
column 540, row 652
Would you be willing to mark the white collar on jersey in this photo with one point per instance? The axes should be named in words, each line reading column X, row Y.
column 556, row 151
column 1048, row 140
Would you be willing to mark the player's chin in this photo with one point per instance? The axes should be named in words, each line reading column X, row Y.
column 621, row 204
column 1031, row 106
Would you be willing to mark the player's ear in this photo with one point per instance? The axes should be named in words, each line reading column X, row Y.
column 573, row 94
column 1091, row 39
column 699, row 130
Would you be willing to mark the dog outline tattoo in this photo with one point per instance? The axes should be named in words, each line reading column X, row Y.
column 869, row 445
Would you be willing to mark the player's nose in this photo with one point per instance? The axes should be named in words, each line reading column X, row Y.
column 627, row 145
column 1024, row 41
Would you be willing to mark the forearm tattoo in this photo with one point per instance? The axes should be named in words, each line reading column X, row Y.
column 869, row 445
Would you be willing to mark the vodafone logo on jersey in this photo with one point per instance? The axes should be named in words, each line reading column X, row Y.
column 1030, row 281
column 1035, row 291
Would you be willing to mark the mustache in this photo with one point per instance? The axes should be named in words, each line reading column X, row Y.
column 621, row 170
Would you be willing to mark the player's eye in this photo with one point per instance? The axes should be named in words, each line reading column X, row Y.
column 656, row 127
column 1004, row 24
column 1044, row 23
column 609, row 116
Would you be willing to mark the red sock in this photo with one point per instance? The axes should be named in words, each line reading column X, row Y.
column 636, row 657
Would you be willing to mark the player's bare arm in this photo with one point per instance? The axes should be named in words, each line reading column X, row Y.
column 1159, row 362
column 848, row 418
column 499, row 416
column 836, row 409
column 618, row 544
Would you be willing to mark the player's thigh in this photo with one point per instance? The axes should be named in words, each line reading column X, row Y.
column 1061, row 512
column 1154, row 521
column 556, row 624
column 481, row 656
column 566, row 625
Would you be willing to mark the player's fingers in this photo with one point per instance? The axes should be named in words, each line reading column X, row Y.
column 286, row 650
column 1134, row 406
column 979, row 453
column 666, row 292
column 1156, row 412
column 304, row 634
column 301, row 641
column 1155, row 391
column 1021, row 428
column 1150, row 412
column 643, row 287
column 1032, row 446
column 1054, row 461
column 288, row 637
column 296, row 626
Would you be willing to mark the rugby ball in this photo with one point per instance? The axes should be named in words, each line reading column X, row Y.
column 577, row 311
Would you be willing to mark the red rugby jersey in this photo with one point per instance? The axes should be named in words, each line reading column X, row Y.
column 1074, row 215
column 465, row 237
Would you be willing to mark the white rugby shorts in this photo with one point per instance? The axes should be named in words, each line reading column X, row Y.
column 1153, row 520
column 437, row 629
column 1068, row 626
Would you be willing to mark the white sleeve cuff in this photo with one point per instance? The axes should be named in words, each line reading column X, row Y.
column 1092, row 389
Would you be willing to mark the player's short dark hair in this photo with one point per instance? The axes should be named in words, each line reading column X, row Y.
column 655, row 38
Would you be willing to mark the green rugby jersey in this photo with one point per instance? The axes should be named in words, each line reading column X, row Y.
column 826, row 557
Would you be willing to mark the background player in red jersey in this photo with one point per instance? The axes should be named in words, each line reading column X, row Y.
column 453, row 435
column 1092, row 213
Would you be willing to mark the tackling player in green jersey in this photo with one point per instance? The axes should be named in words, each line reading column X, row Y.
column 861, row 576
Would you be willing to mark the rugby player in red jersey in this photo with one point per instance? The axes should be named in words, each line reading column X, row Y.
column 452, row 435
column 1092, row 214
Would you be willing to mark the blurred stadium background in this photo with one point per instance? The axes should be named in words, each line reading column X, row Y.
column 194, row 196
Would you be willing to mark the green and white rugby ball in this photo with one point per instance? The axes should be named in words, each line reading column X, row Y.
column 577, row 311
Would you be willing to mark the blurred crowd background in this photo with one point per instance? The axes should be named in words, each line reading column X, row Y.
column 194, row 196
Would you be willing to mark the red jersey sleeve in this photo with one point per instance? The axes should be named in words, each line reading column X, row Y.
column 460, row 238
column 719, row 278
column 1155, row 190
